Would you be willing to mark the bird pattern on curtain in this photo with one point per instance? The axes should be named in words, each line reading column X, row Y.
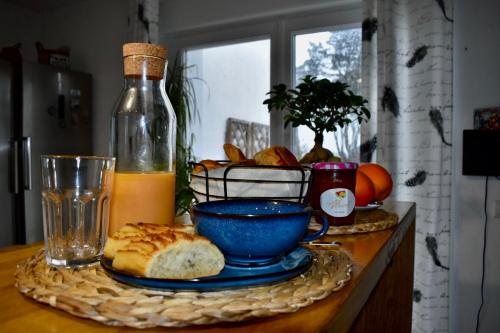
column 407, row 79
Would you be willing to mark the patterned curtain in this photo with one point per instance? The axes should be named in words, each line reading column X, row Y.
column 407, row 78
column 143, row 18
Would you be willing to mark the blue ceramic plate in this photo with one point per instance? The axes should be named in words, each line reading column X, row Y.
column 296, row 262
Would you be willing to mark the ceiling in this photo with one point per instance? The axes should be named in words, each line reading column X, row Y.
column 42, row 5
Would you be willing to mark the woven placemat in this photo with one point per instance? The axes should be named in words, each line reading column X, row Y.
column 90, row 293
column 364, row 221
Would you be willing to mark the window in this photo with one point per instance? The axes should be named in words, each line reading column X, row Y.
column 237, row 60
column 335, row 55
column 230, row 83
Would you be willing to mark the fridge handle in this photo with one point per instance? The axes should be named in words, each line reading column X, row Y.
column 14, row 166
column 27, row 163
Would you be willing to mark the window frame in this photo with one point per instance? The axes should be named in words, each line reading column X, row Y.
column 281, row 30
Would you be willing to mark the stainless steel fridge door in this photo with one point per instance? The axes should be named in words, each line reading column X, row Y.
column 57, row 119
column 6, row 143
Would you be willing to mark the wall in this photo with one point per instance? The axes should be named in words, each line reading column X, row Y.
column 179, row 15
column 20, row 25
column 95, row 30
column 476, row 84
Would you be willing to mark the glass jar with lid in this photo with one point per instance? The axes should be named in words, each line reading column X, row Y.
column 333, row 191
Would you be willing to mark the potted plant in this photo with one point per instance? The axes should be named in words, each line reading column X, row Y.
column 322, row 106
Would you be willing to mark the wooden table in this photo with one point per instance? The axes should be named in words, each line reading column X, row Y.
column 377, row 299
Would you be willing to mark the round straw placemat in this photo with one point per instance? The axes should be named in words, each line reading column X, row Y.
column 90, row 293
column 364, row 221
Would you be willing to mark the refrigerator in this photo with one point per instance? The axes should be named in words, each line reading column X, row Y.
column 43, row 110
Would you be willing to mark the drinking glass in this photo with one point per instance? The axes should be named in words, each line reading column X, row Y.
column 76, row 191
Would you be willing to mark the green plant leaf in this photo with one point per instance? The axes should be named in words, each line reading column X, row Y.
column 181, row 93
column 321, row 105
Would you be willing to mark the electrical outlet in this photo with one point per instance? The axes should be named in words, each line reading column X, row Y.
column 497, row 209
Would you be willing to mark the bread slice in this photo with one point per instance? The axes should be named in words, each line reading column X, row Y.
column 169, row 253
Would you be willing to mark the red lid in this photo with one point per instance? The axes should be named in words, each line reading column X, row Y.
column 335, row 166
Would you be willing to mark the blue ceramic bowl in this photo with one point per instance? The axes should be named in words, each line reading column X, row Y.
column 255, row 231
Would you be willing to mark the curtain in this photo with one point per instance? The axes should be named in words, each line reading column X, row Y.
column 407, row 79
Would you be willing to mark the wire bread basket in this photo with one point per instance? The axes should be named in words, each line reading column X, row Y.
column 289, row 183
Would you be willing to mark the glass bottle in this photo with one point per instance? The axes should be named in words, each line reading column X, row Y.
column 143, row 136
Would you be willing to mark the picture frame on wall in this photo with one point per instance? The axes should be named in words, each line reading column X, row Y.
column 487, row 118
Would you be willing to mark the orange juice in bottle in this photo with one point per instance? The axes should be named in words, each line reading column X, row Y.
column 143, row 130
column 144, row 197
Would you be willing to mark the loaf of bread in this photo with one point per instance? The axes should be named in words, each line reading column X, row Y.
column 276, row 155
column 158, row 251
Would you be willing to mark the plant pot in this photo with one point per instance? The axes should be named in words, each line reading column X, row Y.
column 318, row 153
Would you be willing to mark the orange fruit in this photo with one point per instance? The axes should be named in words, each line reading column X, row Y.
column 365, row 191
column 380, row 177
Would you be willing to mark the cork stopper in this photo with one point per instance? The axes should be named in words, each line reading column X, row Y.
column 144, row 59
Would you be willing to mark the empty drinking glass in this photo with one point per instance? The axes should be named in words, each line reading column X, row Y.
column 76, row 191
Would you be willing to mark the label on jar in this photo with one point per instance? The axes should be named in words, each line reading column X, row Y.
column 337, row 202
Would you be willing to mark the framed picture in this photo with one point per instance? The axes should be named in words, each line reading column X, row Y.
column 487, row 118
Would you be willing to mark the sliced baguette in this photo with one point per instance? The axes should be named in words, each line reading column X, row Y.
column 137, row 232
column 163, row 253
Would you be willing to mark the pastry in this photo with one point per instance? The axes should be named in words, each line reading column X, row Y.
column 234, row 153
column 209, row 165
column 276, row 155
column 163, row 252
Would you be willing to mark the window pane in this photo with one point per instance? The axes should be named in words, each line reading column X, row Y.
column 230, row 81
column 335, row 55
